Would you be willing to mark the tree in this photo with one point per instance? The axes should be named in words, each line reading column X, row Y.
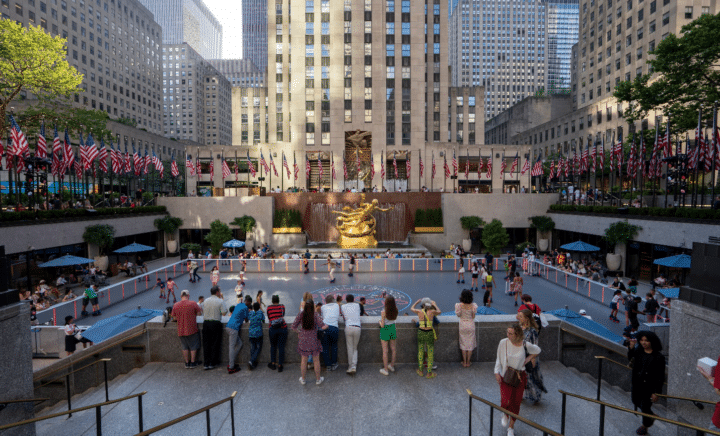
column 33, row 61
column 168, row 224
column 102, row 235
column 495, row 237
column 686, row 77
column 219, row 234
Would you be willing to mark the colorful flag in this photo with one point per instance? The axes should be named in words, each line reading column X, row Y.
column 41, row 151
column 382, row 166
column 56, row 149
column 566, row 166
column 618, row 152
column 307, row 166
column 102, row 156
column 395, row 165
column 601, row 155
column 345, row 170
column 264, row 164
column 19, row 141
column 115, row 160
column 296, row 168
column 447, row 168
column 189, row 165
column 584, row 160
column 91, row 150
column 503, row 164
column 537, row 168
column 552, row 169
column 372, row 166
column 174, row 170
column 422, row 167
column 225, row 169
column 159, row 165
column 593, row 159
column 146, row 162
column 272, row 165
column 78, row 169
column 467, row 165
column 432, row 166
column 69, row 155
column 285, row 164
column 407, row 166
column 515, row 163
column 488, row 166
column 454, row 164
column 128, row 164
column 332, row 167
column 631, row 163
column 198, row 166
column 320, row 167
column 211, row 165
column 526, row 166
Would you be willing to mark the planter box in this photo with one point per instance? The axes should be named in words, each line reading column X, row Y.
column 429, row 229
column 287, row 229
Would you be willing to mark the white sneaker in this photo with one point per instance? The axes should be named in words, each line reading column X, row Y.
column 302, row 381
column 511, row 432
column 319, row 381
column 504, row 420
column 384, row 371
column 391, row 368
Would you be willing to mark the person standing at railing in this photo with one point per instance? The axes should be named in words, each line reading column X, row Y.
column 350, row 312
column 648, row 374
column 715, row 382
column 426, row 335
column 307, row 323
column 466, row 310
column 194, row 277
column 235, row 343
column 388, row 333
column 186, row 312
column 213, row 311
column 513, row 355
column 277, row 333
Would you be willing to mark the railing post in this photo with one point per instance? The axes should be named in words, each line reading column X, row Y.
column 602, row 420
column 600, row 364
column 107, row 395
column 140, row 413
column 67, row 386
column 98, row 421
column 232, row 416
column 207, row 421
column 562, row 414
column 470, row 416
column 491, row 420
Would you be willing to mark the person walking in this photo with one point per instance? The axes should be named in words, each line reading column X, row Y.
column 255, row 334
column 535, row 385
column 215, row 275
column 194, row 277
column 388, row 334
column 513, row 354
column 489, row 284
column 277, row 332
column 466, row 311
column 426, row 334
column 351, row 266
column 213, row 311
column 648, row 374
column 475, row 271
column 351, row 315
column 331, row 316
column 307, row 323
column 185, row 312
column 235, row 343
column 518, row 287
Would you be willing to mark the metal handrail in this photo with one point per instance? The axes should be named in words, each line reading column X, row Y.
column 29, row 400
column 694, row 400
column 98, row 415
column 104, row 361
column 700, row 431
column 599, row 378
column 613, row 361
column 546, row 431
column 205, row 409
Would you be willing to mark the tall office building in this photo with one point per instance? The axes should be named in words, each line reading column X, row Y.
column 255, row 32
column 562, row 34
column 114, row 44
column 188, row 21
column 196, row 97
column 240, row 72
column 502, row 46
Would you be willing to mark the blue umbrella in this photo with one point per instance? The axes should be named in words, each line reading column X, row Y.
column 585, row 324
column 679, row 261
column 669, row 292
column 134, row 248
column 67, row 260
column 580, row 246
column 234, row 243
column 117, row 324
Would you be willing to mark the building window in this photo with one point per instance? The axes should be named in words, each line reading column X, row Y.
column 666, row 19
column 688, row 12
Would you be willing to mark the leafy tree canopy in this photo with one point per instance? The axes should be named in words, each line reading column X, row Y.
column 219, row 234
column 687, row 77
column 33, row 61
column 495, row 237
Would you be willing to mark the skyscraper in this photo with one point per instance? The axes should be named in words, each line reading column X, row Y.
column 254, row 32
column 188, row 21
column 562, row 33
column 240, row 72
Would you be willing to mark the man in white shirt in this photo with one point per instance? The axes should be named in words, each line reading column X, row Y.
column 331, row 315
column 351, row 314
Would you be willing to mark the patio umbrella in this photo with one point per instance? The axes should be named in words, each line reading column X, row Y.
column 586, row 324
column 234, row 243
column 678, row 261
column 67, row 260
column 580, row 246
column 134, row 248
column 117, row 324
column 669, row 292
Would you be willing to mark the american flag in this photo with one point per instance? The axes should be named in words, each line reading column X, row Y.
column 515, row 163
column 593, row 160
column 91, row 151
column 307, row 166
column 41, row 143
column 447, row 168
column 632, row 160
column 212, row 168
column 566, row 166
column 576, row 162
column 454, row 164
column 332, row 167
column 19, row 145
column 264, row 164
column 198, row 166
column 78, row 169
column 526, row 166
column 667, row 142
column 618, row 151
column 345, row 173
column 158, row 164
column 488, row 166
column 127, row 164
column 285, row 165
column 537, row 168
column 102, row 156
column 296, row 168
column 653, row 166
column 395, row 165
column 372, row 166
column 432, row 166
column 115, row 160
column 480, row 164
column 251, row 167
column 503, row 164
column 611, row 154
column 716, row 141
column 148, row 161
column 174, row 171
column 225, row 169
column 584, row 160
column 69, row 155
column 320, row 167
column 138, row 162
column 422, row 167
column 57, row 149
column 407, row 166
column 83, row 153
column 357, row 158
column 552, row 169
column 272, row 165
column 601, row 155
column 382, row 167
column 189, row 165
column 467, row 165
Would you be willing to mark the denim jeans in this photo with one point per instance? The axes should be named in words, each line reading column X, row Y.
column 235, row 344
column 194, row 275
column 277, row 344
column 330, row 345
column 255, row 348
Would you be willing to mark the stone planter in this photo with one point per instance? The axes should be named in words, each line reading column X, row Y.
column 613, row 261
column 466, row 245
column 101, row 262
column 429, row 229
column 543, row 244
column 172, row 246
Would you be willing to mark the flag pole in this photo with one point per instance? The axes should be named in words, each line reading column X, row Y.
column 714, row 146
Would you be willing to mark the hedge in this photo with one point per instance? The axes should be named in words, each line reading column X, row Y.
column 287, row 218
column 681, row 212
column 29, row 215
column 428, row 218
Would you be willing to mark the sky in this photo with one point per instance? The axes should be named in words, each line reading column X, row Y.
column 229, row 13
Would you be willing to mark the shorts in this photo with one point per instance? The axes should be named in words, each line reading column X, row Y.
column 388, row 333
column 474, row 276
column 71, row 342
column 93, row 301
column 190, row 343
column 613, row 306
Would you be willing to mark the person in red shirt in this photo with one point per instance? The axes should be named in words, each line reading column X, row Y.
column 529, row 305
column 185, row 312
column 715, row 382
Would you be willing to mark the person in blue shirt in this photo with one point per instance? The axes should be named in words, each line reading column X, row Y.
column 255, row 333
column 235, row 343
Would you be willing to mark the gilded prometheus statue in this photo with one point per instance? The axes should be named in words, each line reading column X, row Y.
column 357, row 226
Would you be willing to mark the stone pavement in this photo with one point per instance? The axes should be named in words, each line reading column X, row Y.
column 366, row 404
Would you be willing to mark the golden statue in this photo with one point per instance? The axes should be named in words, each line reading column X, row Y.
column 357, row 226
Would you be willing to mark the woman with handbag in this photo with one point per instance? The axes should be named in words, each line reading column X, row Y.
column 426, row 335
column 648, row 374
column 535, row 385
column 73, row 336
column 513, row 355
column 308, row 323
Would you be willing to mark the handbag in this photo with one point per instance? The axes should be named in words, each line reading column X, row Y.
column 78, row 336
column 528, row 366
column 512, row 375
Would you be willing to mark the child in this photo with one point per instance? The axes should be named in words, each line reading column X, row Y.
column 239, row 291
column 617, row 296
column 475, row 270
column 255, row 333
column 171, row 290
column 159, row 284
column 461, row 272
column 306, row 265
column 243, row 269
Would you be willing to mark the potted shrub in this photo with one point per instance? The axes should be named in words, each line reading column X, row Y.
column 470, row 223
column 169, row 225
column 520, row 248
column 102, row 236
column 544, row 225
column 246, row 224
column 219, row 234
column 495, row 238
column 617, row 235
column 190, row 246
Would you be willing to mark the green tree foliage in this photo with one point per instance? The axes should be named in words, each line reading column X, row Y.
column 246, row 223
column 471, row 222
column 687, row 76
column 495, row 238
column 542, row 223
column 102, row 235
column 77, row 120
column 287, row 218
column 219, row 234
column 168, row 224
column 620, row 232
column 35, row 62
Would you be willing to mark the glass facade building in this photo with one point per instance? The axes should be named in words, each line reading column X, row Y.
column 254, row 32
column 562, row 34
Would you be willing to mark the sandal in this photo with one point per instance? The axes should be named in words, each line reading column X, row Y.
column 431, row 375
column 419, row 372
